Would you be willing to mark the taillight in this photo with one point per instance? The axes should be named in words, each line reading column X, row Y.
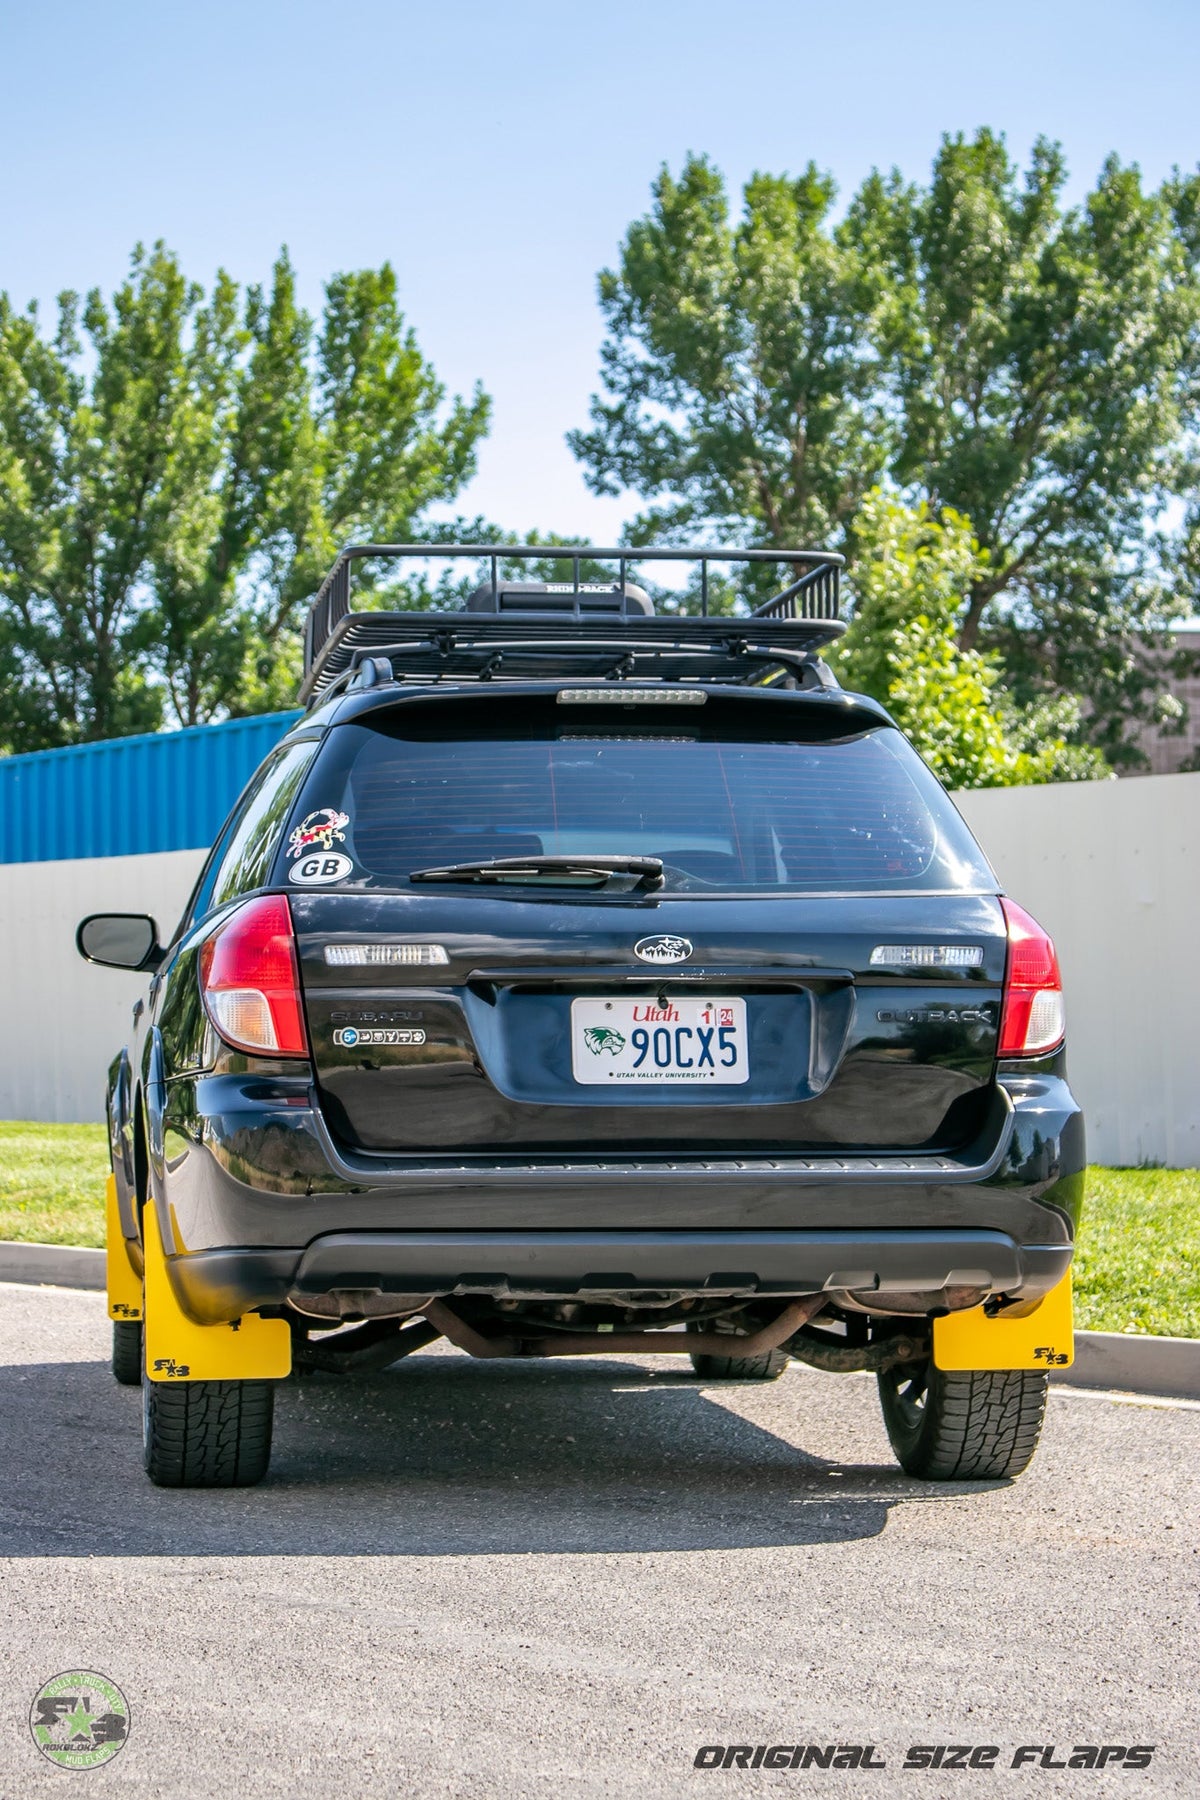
column 249, row 980
column 1033, row 1018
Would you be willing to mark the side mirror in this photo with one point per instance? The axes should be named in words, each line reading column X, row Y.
column 119, row 941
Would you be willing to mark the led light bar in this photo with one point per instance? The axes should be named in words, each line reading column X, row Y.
column 359, row 956
column 927, row 956
column 617, row 694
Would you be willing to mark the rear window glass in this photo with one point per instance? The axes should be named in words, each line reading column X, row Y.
column 253, row 836
column 725, row 810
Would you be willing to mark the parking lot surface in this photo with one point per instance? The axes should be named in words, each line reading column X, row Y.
column 496, row 1579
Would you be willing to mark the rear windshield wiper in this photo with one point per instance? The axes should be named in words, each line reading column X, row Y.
column 571, row 871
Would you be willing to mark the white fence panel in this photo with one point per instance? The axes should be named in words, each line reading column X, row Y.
column 66, row 1018
column 1112, row 870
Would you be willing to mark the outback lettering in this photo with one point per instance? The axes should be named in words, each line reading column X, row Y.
column 935, row 1015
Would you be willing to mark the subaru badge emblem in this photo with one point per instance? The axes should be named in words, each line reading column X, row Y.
column 663, row 949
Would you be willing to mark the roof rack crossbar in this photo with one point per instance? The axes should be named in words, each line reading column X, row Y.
column 733, row 660
column 446, row 644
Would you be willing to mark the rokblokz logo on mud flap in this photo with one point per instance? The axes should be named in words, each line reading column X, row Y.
column 79, row 1720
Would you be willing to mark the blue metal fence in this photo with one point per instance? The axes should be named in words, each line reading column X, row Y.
column 168, row 790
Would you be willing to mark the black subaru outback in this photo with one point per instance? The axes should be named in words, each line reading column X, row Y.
column 580, row 979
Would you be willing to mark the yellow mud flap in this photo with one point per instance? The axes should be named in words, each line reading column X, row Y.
column 1043, row 1339
column 251, row 1349
column 121, row 1279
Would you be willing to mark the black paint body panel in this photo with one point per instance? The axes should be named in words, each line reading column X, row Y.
column 826, row 1071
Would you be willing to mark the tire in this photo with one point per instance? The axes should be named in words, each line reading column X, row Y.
column 964, row 1426
column 207, row 1434
column 768, row 1367
column 127, row 1351
column 741, row 1368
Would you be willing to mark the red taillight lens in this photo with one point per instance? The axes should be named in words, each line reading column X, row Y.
column 1033, row 1019
column 249, row 980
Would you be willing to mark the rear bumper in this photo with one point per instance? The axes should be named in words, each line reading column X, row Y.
column 256, row 1204
column 415, row 1265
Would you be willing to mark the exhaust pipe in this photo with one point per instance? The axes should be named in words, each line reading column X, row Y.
column 626, row 1343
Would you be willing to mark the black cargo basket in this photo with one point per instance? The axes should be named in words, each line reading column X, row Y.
column 520, row 629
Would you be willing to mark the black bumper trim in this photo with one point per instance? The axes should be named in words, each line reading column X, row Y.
column 221, row 1284
column 978, row 1162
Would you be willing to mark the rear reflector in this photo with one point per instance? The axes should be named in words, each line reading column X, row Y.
column 362, row 956
column 1033, row 1019
column 249, row 980
column 927, row 956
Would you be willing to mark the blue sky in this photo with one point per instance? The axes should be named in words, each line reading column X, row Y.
column 496, row 153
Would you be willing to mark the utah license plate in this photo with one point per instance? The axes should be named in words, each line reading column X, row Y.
column 697, row 1039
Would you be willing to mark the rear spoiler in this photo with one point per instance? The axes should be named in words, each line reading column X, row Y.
column 510, row 627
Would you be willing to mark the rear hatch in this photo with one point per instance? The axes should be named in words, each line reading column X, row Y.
column 820, row 968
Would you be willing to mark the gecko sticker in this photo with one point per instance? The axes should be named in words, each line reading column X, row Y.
column 314, row 871
column 318, row 831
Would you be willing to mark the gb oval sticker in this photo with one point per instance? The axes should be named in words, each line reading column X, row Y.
column 319, row 867
column 664, row 949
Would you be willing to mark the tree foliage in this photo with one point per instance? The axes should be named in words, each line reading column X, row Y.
column 741, row 387
column 1030, row 366
column 177, row 471
column 913, row 577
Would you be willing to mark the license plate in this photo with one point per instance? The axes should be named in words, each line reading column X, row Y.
column 616, row 1042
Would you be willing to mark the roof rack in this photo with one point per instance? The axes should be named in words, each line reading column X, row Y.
column 523, row 630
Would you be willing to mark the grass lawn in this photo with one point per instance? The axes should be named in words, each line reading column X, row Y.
column 1137, row 1267
column 52, row 1182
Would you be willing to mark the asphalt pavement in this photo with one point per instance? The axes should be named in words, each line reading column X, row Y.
column 508, row 1580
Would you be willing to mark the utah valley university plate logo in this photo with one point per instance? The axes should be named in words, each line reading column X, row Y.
column 663, row 949
column 79, row 1720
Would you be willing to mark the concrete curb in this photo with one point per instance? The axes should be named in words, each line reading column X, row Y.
column 1103, row 1359
column 53, row 1265
column 1135, row 1365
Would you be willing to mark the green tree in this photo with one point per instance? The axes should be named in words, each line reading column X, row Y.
column 83, row 473
column 336, row 433
column 1033, row 367
column 912, row 580
column 741, row 391
column 175, row 481
column 1042, row 361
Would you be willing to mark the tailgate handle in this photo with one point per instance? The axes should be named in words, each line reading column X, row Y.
column 486, row 983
